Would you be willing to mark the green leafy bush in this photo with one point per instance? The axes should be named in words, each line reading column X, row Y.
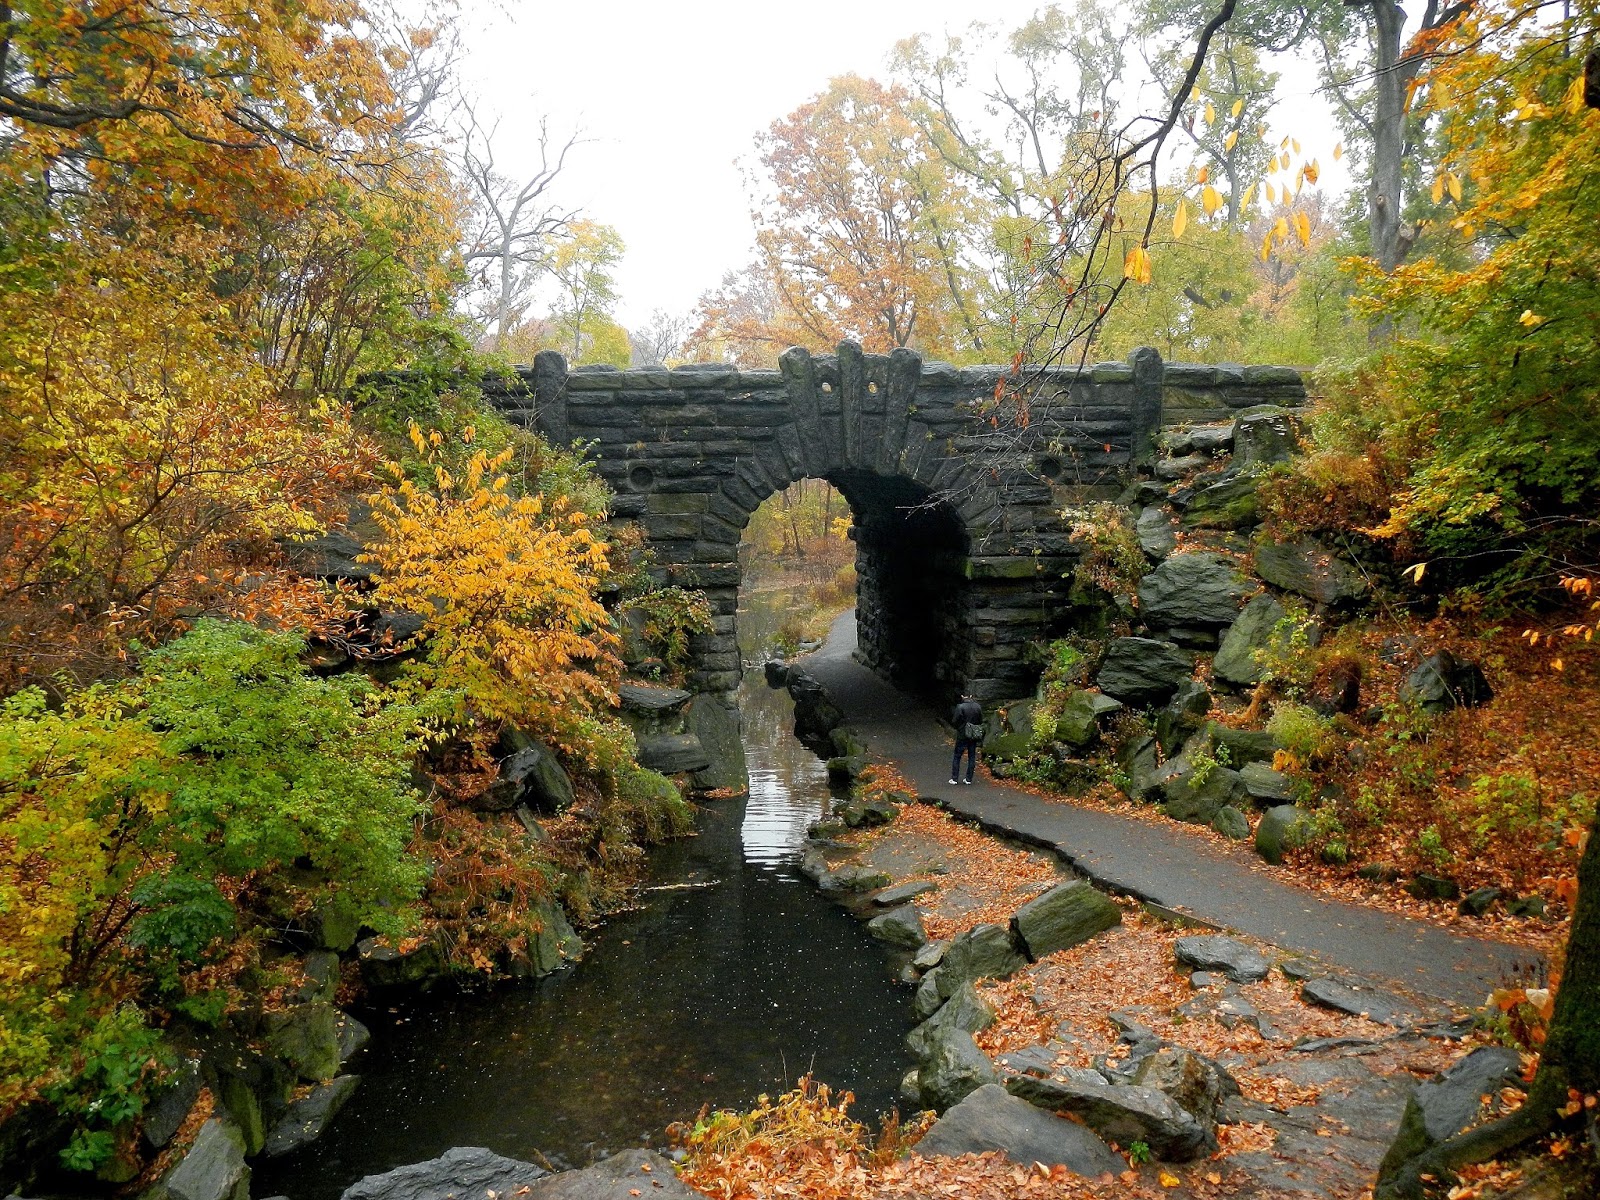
column 1303, row 733
column 670, row 615
column 1110, row 558
column 149, row 824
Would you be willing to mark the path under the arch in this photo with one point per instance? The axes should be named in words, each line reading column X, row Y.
column 1166, row 863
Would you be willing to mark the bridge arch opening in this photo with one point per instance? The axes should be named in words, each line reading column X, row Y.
column 911, row 590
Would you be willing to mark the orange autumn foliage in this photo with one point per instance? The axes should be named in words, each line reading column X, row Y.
column 507, row 589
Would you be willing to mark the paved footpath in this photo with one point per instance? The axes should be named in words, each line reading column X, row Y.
column 1165, row 862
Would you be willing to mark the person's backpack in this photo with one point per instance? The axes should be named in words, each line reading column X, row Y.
column 967, row 728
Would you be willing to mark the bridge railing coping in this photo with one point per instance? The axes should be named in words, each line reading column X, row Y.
column 932, row 372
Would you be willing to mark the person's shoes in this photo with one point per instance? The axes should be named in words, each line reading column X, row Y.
column 967, row 781
column 953, row 780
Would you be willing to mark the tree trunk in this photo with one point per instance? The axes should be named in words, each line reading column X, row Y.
column 1388, row 133
column 1570, row 1061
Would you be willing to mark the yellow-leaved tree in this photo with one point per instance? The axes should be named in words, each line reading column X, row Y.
column 506, row 586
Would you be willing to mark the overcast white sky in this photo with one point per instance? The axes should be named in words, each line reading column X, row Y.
column 671, row 94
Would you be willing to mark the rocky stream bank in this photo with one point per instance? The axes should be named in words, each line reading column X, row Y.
column 1065, row 1026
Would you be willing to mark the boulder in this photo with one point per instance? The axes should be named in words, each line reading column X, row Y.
column 982, row 952
column 852, row 878
column 1308, row 568
column 353, row 1037
column 1140, row 769
column 965, row 1010
column 1194, row 1083
column 548, row 943
column 254, row 1090
column 459, row 1172
column 1156, row 533
column 843, row 769
column 1476, row 903
column 952, row 1068
column 529, row 774
column 166, row 1113
column 1216, row 952
column 1037, row 1060
column 910, row 1094
column 1169, row 469
column 1239, row 747
column 333, row 924
column 308, row 1117
column 1281, row 829
column 211, row 1169
column 899, row 927
column 717, row 725
column 1197, row 796
column 1066, row 915
column 1441, row 682
column 1230, row 503
column 1078, row 725
column 650, row 710
column 1177, row 440
column 1448, row 1103
column 1143, row 671
column 928, row 996
column 902, row 892
column 1266, row 786
column 321, row 970
column 307, row 1038
column 1263, row 434
column 1007, row 747
column 990, row 1118
column 333, row 556
column 1183, row 715
column 673, row 753
column 1525, row 906
column 1433, row 887
column 776, row 672
column 1231, row 823
column 1122, row 1113
column 383, row 966
column 1212, row 439
column 623, row 1176
column 815, row 716
column 1252, row 632
column 1192, row 591
column 1358, row 1001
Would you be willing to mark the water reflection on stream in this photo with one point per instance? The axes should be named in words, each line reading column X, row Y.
column 707, row 994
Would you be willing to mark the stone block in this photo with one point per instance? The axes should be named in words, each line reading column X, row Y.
column 1065, row 916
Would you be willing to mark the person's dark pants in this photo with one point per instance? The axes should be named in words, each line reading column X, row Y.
column 969, row 747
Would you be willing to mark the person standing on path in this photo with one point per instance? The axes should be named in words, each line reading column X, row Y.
column 968, row 720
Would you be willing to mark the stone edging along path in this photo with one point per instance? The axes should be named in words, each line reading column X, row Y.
column 1166, row 865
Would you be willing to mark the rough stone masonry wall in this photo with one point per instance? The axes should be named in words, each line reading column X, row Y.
column 961, row 556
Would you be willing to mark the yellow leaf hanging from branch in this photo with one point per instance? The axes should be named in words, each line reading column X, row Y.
column 1136, row 266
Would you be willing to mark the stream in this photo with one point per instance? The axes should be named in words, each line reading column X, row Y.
column 706, row 994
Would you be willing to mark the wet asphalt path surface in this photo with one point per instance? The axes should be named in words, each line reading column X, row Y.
column 1164, row 862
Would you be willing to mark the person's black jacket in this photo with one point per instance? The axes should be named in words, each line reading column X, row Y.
column 968, row 712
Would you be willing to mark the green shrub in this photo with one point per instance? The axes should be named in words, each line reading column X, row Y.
column 1432, row 846
column 149, row 824
column 267, row 768
column 1287, row 658
column 1303, row 732
column 1109, row 556
column 670, row 615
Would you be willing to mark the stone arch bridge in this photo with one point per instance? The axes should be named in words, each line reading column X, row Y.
column 961, row 556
